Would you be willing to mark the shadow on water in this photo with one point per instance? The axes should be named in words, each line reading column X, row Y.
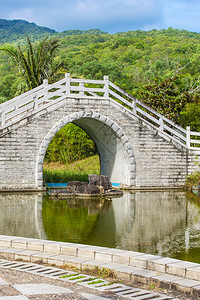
column 165, row 223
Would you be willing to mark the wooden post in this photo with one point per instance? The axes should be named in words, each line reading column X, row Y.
column 188, row 136
column 67, row 85
column 106, row 86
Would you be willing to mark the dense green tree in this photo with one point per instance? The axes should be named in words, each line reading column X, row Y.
column 190, row 115
column 37, row 63
column 169, row 97
column 70, row 143
column 11, row 86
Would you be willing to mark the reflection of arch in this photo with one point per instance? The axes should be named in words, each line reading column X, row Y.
column 38, row 217
column 115, row 151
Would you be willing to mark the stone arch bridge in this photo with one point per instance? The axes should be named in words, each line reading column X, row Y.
column 137, row 146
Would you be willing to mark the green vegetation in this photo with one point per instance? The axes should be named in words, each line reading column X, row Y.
column 160, row 67
column 70, row 144
column 68, row 275
column 71, row 155
column 14, row 31
column 79, row 170
column 37, row 63
column 193, row 179
column 95, row 282
column 63, row 222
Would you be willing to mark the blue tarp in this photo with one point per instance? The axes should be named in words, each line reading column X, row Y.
column 115, row 184
column 52, row 185
column 63, row 185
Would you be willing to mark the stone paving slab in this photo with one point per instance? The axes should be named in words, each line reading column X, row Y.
column 193, row 273
column 9, row 253
column 180, row 268
column 3, row 282
column 123, row 257
column 160, row 264
column 41, row 289
column 24, row 255
column 18, row 297
column 93, row 297
column 141, row 261
column 41, row 256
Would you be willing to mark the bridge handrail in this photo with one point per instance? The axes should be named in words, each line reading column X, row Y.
column 89, row 88
column 24, row 95
column 158, row 120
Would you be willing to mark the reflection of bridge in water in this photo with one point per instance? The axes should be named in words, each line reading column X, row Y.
column 21, row 215
column 152, row 222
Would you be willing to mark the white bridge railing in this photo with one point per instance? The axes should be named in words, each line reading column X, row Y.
column 14, row 109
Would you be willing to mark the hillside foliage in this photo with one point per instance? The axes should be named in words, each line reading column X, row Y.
column 159, row 67
column 14, row 31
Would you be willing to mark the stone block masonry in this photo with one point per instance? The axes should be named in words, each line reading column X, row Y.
column 132, row 152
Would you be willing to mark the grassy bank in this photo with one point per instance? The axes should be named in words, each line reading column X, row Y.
column 79, row 170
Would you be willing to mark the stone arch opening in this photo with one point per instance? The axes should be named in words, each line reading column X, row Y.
column 115, row 151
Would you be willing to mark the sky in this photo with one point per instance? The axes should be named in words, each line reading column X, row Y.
column 108, row 15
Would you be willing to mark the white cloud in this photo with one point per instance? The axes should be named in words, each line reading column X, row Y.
column 182, row 14
column 21, row 14
column 108, row 15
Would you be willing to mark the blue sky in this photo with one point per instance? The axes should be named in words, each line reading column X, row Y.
column 108, row 15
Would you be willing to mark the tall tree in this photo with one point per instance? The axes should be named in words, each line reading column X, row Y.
column 36, row 62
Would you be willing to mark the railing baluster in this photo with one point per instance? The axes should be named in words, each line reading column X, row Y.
column 81, row 85
column 188, row 136
column 161, row 123
column 68, row 81
column 45, row 83
column 134, row 109
column 35, row 102
column 3, row 118
column 106, row 86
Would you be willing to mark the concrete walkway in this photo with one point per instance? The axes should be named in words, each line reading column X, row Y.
column 135, row 270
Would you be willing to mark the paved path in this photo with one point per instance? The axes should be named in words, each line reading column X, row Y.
column 23, row 281
column 139, row 270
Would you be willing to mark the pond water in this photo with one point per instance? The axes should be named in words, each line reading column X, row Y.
column 164, row 223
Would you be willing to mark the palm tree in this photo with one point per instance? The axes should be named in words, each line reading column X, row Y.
column 37, row 62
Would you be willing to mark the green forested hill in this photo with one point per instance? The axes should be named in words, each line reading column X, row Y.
column 160, row 67
column 13, row 31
